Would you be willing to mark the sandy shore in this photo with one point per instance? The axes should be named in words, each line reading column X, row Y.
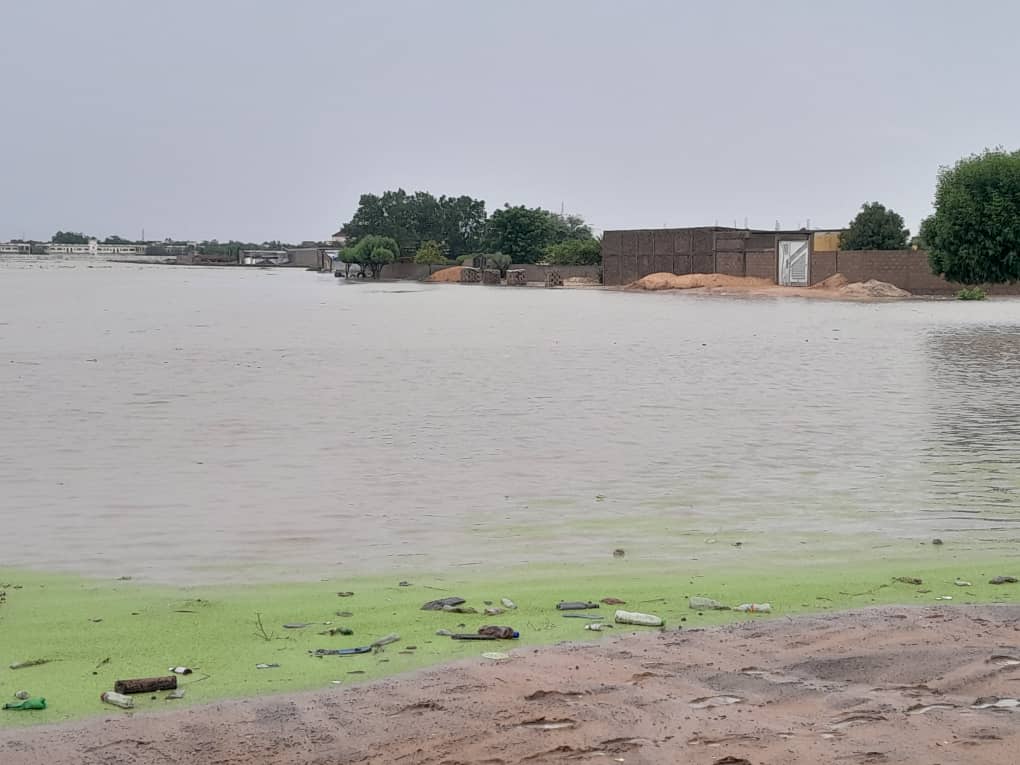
column 889, row 685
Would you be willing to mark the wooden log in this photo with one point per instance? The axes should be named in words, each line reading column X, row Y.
column 146, row 684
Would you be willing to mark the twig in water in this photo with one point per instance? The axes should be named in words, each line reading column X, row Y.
column 260, row 630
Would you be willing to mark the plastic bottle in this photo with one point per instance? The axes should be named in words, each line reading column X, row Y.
column 118, row 700
column 30, row 703
column 597, row 626
column 635, row 617
column 754, row 608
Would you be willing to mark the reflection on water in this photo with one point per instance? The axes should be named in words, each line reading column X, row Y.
column 974, row 373
column 213, row 424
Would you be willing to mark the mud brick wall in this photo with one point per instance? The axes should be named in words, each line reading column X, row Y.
column 629, row 255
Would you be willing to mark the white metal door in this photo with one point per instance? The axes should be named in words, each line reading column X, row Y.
column 793, row 263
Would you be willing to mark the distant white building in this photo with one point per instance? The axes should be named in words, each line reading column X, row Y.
column 338, row 239
column 94, row 248
column 265, row 257
column 15, row 248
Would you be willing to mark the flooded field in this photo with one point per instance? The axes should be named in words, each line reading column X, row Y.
column 190, row 424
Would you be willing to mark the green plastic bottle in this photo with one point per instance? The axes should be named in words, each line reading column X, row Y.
column 37, row 702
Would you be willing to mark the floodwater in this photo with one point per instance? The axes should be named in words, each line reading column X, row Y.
column 200, row 424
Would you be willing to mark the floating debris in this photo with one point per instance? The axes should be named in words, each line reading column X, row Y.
column 575, row 605
column 337, row 631
column 706, row 702
column 507, row 603
column 1004, row 661
column 920, row 709
column 961, row 583
column 442, row 603
column 908, row 579
column 1003, row 580
column 994, row 702
column 706, row 604
column 542, row 724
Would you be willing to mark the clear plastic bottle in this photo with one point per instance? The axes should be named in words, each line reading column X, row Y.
column 635, row 617
column 754, row 608
column 118, row 700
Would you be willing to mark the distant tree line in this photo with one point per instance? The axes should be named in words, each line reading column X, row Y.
column 439, row 230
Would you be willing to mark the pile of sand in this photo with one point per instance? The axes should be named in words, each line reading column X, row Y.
column 451, row 275
column 835, row 287
column 873, row 289
column 668, row 281
column 834, row 282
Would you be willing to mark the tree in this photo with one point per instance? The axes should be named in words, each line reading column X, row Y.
column 412, row 219
column 575, row 252
column 525, row 234
column 875, row 228
column 114, row 239
column 974, row 235
column 430, row 254
column 371, row 253
column 498, row 260
column 570, row 227
column 522, row 233
column 69, row 237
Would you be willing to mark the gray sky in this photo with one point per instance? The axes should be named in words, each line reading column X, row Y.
column 262, row 120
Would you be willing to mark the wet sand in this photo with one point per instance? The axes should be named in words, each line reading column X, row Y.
column 889, row 685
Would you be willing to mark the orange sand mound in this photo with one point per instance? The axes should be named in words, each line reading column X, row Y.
column 834, row 282
column 873, row 289
column 667, row 281
column 836, row 287
column 451, row 274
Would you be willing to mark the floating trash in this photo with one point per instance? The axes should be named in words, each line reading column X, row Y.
column 706, row 702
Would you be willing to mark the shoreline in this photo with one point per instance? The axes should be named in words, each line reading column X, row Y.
column 95, row 632
column 875, row 685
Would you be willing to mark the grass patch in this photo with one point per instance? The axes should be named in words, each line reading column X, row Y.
column 971, row 293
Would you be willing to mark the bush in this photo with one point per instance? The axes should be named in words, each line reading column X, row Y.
column 974, row 235
column 971, row 293
column 575, row 252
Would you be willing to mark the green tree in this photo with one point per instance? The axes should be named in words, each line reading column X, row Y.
column 412, row 219
column 570, row 228
column 114, row 239
column 430, row 254
column 974, row 235
column 875, row 228
column 575, row 252
column 521, row 232
column 525, row 234
column 69, row 237
column 498, row 260
column 372, row 253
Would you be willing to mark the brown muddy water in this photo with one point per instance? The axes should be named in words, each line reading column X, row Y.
column 191, row 424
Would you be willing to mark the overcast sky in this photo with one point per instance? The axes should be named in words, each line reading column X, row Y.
column 264, row 120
